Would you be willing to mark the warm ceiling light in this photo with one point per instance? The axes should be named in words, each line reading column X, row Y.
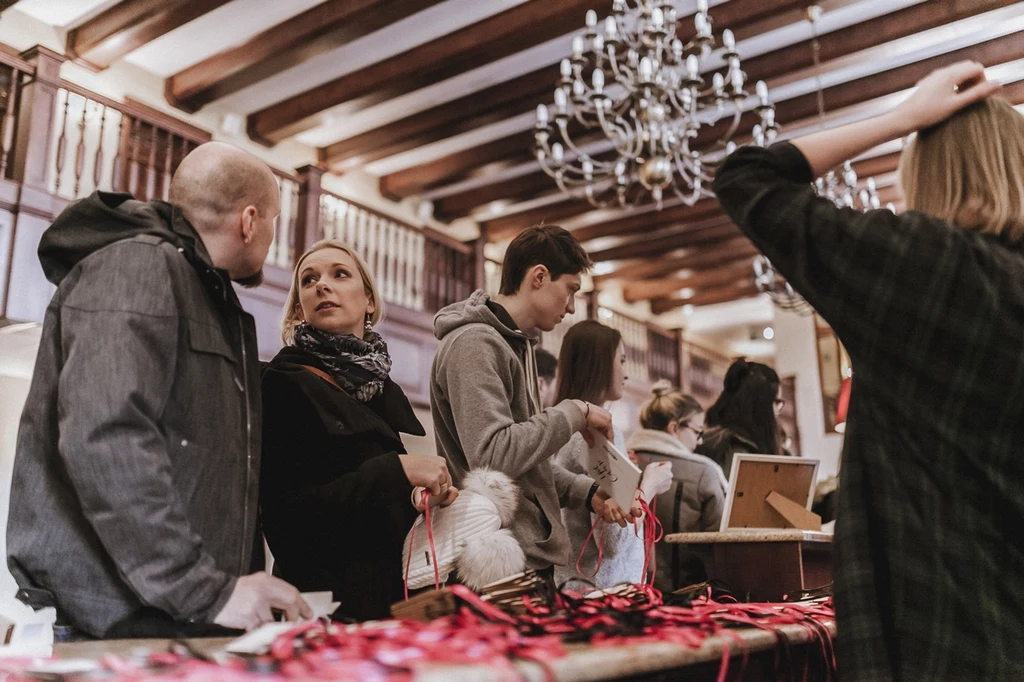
column 686, row 293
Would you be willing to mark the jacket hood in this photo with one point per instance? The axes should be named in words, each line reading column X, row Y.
column 102, row 218
column 658, row 442
column 473, row 310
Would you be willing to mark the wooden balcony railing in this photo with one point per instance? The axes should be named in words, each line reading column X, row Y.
column 417, row 269
column 282, row 251
column 14, row 72
column 99, row 143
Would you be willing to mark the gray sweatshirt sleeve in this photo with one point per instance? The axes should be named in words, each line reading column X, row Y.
column 119, row 331
column 478, row 386
column 571, row 482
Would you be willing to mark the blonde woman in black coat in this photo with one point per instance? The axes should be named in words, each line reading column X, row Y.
column 337, row 485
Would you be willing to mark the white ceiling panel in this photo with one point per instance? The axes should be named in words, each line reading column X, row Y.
column 399, row 37
column 62, row 13
column 227, row 26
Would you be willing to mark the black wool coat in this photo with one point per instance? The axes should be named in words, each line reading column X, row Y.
column 334, row 498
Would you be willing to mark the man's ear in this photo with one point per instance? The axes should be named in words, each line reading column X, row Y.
column 539, row 274
column 249, row 216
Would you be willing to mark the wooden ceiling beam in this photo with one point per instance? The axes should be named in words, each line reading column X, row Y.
column 633, row 292
column 419, row 179
column 722, row 229
column 475, row 110
column 521, row 188
column 317, row 30
column 503, row 100
column 693, row 259
column 488, row 40
column 741, row 288
column 836, row 44
column 129, row 25
column 649, row 221
column 867, row 34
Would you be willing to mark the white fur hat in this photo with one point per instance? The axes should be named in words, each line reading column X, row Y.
column 470, row 535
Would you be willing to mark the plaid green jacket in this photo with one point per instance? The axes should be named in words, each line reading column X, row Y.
column 929, row 581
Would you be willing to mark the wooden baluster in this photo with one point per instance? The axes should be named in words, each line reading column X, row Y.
column 80, row 148
column 419, row 257
column 117, row 165
column 133, row 180
column 97, row 160
column 293, row 226
column 151, row 165
column 402, row 269
column 430, row 266
column 62, row 143
column 165, row 181
column 8, row 125
column 387, row 253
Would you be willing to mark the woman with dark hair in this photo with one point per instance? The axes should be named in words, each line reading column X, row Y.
column 592, row 367
column 673, row 425
column 743, row 419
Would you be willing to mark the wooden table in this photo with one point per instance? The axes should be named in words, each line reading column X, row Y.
column 584, row 663
column 763, row 564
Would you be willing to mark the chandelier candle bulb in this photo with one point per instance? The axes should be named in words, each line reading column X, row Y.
column 598, row 80
column 700, row 23
column 591, row 19
column 588, row 169
column 718, row 81
column 611, row 30
column 566, row 69
column 556, row 153
column 542, row 116
column 646, row 70
column 762, row 92
column 560, row 100
column 657, row 18
column 693, row 67
column 728, row 40
column 598, row 44
column 579, row 90
column 577, row 47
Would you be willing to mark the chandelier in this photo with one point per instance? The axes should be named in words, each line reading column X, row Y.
column 639, row 86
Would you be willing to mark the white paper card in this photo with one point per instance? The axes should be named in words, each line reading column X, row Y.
column 614, row 472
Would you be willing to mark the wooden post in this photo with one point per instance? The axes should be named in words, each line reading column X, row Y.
column 591, row 305
column 37, row 113
column 684, row 363
column 479, row 261
column 308, row 229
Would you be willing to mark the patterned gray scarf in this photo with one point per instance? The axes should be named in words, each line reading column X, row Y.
column 360, row 366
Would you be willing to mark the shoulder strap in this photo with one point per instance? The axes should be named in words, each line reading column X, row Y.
column 326, row 377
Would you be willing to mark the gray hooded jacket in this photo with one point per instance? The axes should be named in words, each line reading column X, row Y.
column 137, row 461
column 484, row 417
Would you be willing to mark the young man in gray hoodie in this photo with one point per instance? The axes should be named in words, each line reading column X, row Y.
column 485, row 398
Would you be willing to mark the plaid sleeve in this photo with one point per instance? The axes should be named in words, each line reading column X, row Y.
column 873, row 276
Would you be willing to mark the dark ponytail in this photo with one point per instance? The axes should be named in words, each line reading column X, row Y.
column 746, row 405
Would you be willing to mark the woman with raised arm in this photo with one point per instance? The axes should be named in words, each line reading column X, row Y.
column 337, row 487
column 930, row 304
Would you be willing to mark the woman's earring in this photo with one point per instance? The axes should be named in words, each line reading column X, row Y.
column 367, row 325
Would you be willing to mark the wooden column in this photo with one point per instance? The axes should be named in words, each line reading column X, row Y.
column 308, row 229
column 684, row 363
column 35, row 126
column 592, row 305
column 479, row 259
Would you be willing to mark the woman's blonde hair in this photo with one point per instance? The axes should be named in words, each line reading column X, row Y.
column 291, row 314
column 969, row 169
column 667, row 406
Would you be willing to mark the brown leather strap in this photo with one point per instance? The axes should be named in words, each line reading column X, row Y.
column 326, row 377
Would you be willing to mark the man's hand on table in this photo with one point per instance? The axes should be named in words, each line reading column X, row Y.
column 254, row 600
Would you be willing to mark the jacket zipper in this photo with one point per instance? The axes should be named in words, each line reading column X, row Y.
column 242, row 569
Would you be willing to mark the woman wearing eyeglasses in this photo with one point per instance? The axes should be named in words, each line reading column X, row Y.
column 673, row 424
column 745, row 416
